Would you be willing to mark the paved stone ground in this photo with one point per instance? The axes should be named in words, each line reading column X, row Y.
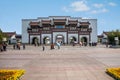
column 67, row 63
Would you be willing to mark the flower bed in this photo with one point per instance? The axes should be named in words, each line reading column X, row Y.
column 11, row 74
column 114, row 72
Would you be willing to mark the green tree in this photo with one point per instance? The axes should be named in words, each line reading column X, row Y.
column 112, row 35
column 2, row 36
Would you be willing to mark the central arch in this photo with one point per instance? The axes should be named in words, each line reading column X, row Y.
column 60, row 38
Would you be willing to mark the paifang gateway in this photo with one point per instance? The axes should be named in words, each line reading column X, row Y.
column 65, row 29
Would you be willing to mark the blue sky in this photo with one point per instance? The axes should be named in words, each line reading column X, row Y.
column 107, row 12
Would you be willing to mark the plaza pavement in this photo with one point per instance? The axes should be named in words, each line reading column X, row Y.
column 67, row 63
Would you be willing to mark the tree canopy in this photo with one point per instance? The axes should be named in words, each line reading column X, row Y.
column 112, row 35
column 2, row 36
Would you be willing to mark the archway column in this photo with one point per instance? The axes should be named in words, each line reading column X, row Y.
column 29, row 38
column 52, row 38
column 40, row 38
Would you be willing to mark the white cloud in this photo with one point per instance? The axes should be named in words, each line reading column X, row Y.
column 99, row 11
column 98, row 5
column 104, row 10
column 82, row 6
column 77, row 6
column 94, row 12
column 112, row 4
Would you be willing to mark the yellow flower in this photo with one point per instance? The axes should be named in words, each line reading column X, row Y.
column 11, row 74
column 114, row 71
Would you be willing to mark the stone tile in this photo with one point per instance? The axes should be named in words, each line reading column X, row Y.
column 67, row 63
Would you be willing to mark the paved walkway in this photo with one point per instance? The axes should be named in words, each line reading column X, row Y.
column 67, row 63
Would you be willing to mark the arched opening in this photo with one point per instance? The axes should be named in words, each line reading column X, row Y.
column 35, row 40
column 46, row 40
column 60, row 39
column 72, row 39
column 84, row 41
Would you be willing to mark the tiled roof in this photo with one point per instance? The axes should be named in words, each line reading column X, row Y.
column 46, row 21
column 9, row 34
column 84, row 23
column 34, row 23
column 72, row 21
column 59, row 20
column 100, row 36
column 18, row 36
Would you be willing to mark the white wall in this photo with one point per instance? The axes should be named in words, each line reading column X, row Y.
column 94, row 30
column 93, row 25
column 60, row 33
column 25, row 25
column 13, row 39
column 72, row 35
column 104, row 35
column 25, row 36
column 44, row 35
column 104, row 39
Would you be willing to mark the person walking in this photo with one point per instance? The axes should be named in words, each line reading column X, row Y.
column 52, row 46
column 43, row 47
column 24, row 46
column 80, row 43
column 4, row 46
column 58, row 44
column 14, row 46
column 18, row 46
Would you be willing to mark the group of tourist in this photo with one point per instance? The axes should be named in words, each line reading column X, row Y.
column 58, row 44
column 18, row 46
column 52, row 46
column 84, row 44
column 3, row 47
